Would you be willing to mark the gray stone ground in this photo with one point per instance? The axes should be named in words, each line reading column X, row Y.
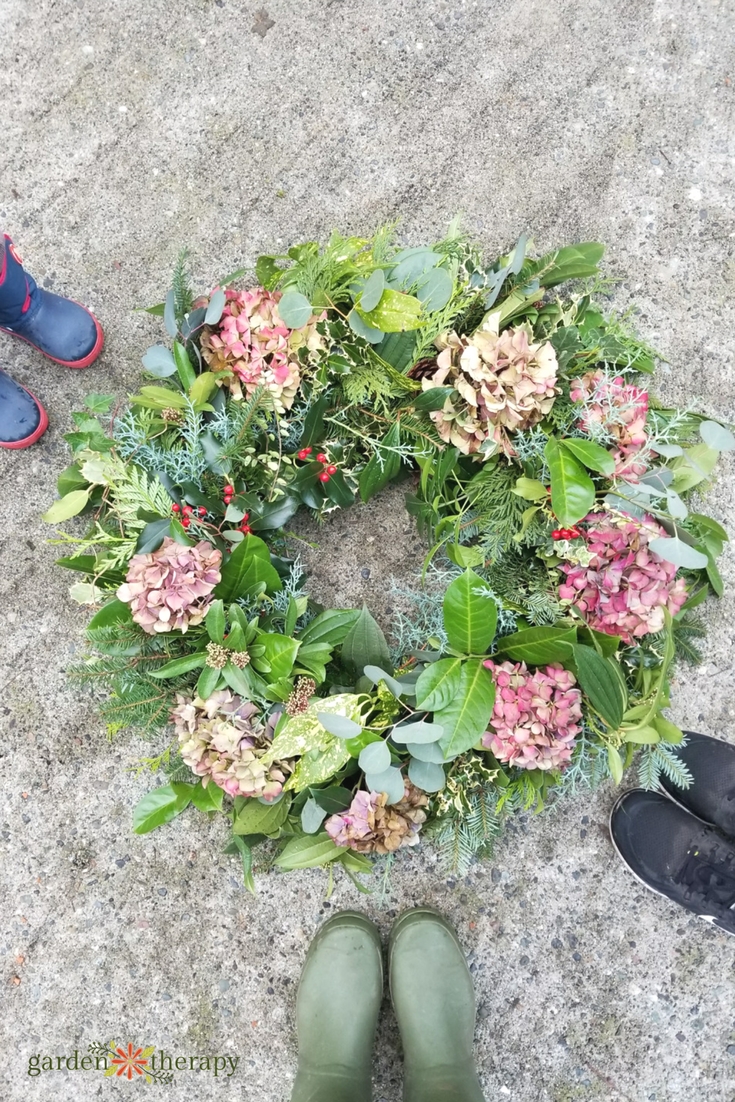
column 131, row 129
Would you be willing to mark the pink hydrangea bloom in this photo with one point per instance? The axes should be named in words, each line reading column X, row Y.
column 626, row 587
column 620, row 409
column 535, row 717
column 251, row 347
column 171, row 589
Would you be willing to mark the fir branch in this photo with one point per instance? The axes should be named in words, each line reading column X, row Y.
column 183, row 293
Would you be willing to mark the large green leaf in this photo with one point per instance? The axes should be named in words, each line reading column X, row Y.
column 113, row 612
column 572, row 489
column 397, row 350
column 394, row 313
column 470, row 618
column 365, row 645
column 177, row 667
column 247, row 566
column 538, row 645
column 66, row 507
column 280, row 653
column 161, row 806
column 466, row 717
column 332, row 626
column 253, row 817
column 438, row 684
column 591, row 455
column 308, row 852
column 601, row 684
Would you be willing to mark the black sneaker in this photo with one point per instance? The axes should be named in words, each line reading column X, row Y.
column 711, row 795
column 675, row 855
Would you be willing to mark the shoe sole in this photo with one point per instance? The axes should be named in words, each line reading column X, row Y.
column 16, row 445
column 86, row 361
column 711, row 920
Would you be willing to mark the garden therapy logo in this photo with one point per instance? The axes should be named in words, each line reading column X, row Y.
column 133, row 1062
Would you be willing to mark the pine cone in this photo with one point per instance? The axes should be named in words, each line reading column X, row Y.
column 423, row 369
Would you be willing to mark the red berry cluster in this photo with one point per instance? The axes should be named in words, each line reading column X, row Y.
column 187, row 511
column 566, row 534
column 229, row 493
column 329, row 468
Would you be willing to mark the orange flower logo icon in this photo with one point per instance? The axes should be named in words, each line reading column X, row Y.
column 126, row 1064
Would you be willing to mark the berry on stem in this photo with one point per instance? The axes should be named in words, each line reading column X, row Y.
column 324, row 477
column 185, row 522
column 322, row 458
column 556, row 534
column 305, row 453
column 331, row 469
column 187, row 510
column 202, row 511
column 175, row 508
column 229, row 490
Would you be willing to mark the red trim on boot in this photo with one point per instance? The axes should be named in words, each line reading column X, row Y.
column 36, row 434
column 86, row 361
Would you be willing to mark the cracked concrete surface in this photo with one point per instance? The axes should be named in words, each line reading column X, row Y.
column 131, row 129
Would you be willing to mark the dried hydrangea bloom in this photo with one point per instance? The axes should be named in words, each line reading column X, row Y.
column 626, row 586
column 536, row 715
column 225, row 739
column 615, row 414
column 170, row 589
column 251, row 347
column 502, row 384
column 371, row 825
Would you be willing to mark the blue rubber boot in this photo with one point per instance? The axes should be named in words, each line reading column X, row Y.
column 23, row 419
column 62, row 329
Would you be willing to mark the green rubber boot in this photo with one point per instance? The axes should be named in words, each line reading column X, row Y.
column 434, row 1001
column 337, row 1008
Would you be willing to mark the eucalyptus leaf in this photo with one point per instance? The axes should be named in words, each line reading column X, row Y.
column 418, row 731
column 159, row 361
column 717, row 436
column 169, row 315
column 312, row 816
column 377, row 675
column 372, row 291
column 426, row 751
column 674, row 550
column 434, row 289
column 215, row 308
column 375, row 758
column 363, row 329
column 426, row 775
column 389, row 781
column 294, row 309
column 339, row 726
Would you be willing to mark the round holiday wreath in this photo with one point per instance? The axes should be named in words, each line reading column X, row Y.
column 551, row 487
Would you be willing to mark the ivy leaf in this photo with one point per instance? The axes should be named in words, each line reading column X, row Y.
column 161, row 806
column 365, row 645
column 572, row 489
column 470, row 618
column 466, row 717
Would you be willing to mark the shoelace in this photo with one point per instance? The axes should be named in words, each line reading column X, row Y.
column 708, row 877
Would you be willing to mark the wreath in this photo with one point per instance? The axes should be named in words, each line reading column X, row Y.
column 563, row 570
